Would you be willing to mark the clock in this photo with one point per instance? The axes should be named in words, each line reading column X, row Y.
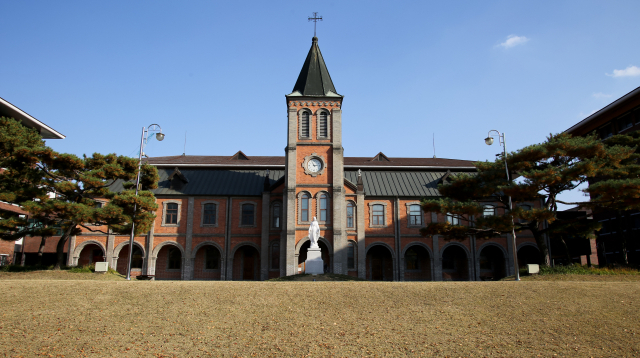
column 314, row 165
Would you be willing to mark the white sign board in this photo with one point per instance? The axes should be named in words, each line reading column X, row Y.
column 102, row 266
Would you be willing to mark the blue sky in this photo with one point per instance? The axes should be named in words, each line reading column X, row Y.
column 100, row 71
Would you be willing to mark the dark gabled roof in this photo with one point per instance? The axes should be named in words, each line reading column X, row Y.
column 279, row 161
column 9, row 110
column 380, row 157
column 314, row 78
column 208, row 181
column 398, row 183
column 239, row 156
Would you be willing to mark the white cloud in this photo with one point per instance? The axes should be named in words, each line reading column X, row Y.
column 627, row 72
column 513, row 40
column 582, row 115
column 601, row 95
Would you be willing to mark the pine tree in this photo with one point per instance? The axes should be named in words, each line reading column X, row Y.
column 61, row 190
column 541, row 171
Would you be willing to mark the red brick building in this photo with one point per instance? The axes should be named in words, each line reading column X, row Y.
column 241, row 217
column 619, row 117
column 8, row 110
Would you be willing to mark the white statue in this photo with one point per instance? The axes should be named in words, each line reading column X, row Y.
column 314, row 233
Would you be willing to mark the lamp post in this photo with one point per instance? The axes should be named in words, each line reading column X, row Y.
column 489, row 141
column 146, row 134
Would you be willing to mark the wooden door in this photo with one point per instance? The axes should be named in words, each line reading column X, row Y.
column 377, row 268
column 248, row 269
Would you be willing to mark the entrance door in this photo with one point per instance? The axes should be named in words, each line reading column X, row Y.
column 247, row 272
column 377, row 268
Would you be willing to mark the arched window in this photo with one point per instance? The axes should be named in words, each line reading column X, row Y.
column 304, row 125
column 351, row 256
column 324, row 208
column 323, row 129
column 248, row 211
column 171, row 216
column 415, row 215
column 378, row 215
column 211, row 258
column 350, row 215
column 275, row 256
column 275, row 215
column 304, row 207
column 136, row 258
column 209, row 214
column 489, row 210
column 411, row 259
column 175, row 258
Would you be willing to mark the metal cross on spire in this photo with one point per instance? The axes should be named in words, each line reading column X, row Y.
column 315, row 19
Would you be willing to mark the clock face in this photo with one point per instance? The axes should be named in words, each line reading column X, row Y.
column 314, row 165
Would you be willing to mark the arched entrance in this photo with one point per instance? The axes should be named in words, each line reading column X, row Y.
column 169, row 263
column 528, row 254
column 455, row 266
column 90, row 254
column 246, row 264
column 379, row 264
column 136, row 260
column 206, row 263
column 417, row 264
column 324, row 250
column 492, row 263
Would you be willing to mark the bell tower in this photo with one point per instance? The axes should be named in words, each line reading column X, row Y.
column 314, row 179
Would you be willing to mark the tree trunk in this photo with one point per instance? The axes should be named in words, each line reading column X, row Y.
column 60, row 252
column 41, row 250
column 545, row 258
column 622, row 237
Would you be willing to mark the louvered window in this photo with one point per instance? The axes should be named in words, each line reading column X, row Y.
column 323, row 132
column 304, row 125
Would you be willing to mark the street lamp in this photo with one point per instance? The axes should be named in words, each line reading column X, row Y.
column 489, row 141
column 146, row 134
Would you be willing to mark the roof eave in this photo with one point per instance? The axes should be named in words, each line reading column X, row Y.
column 603, row 111
column 45, row 131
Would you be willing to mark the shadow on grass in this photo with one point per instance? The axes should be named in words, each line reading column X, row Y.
column 323, row 277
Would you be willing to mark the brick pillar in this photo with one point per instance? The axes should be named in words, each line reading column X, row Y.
column 264, row 242
column 362, row 257
column 186, row 260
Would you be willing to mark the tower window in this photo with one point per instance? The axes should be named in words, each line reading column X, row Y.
column 324, row 208
column 304, row 125
column 350, row 215
column 275, row 216
column 323, row 131
column 304, row 208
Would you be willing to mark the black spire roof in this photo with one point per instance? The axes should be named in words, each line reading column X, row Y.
column 314, row 79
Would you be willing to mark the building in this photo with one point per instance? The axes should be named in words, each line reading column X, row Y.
column 240, row 217
column 619, row 117
column 9, row 248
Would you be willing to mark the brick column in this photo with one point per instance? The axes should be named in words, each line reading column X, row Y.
column 264, row 242
column 186, row 260
column 362, row 258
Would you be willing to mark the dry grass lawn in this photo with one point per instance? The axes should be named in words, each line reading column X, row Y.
column 103, row 318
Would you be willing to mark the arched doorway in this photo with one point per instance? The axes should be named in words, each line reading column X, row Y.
column 246, row 264
column 492, row 264
column 417, row 264
column 455, row 266
column 207, row 263
column 90, row 254
column 136, row 260
column 379, row 264
column 169, row 263
column 528, row 254
column 324, row 250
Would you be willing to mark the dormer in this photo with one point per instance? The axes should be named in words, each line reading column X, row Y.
column 177, row 180
column 380, row 157
column 239, row 156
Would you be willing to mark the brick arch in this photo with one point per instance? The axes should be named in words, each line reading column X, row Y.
column 156, row 250
column 466, row 251
column 116, row 250
column 204, row 275
column 505, row 254
column 207, row 243
column 229, row 273
column 523, row 244
column 420, row 244
column 325, row 109
column 394, row 259
column 80, row 247
column 301, row 109
column 321, row 238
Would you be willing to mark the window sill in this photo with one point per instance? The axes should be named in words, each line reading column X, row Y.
column 170, row 225
column 211, row 270
column 208, row 225
column 378, row 226
column 247, row 226
column 415, row 226
column 174, row 270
